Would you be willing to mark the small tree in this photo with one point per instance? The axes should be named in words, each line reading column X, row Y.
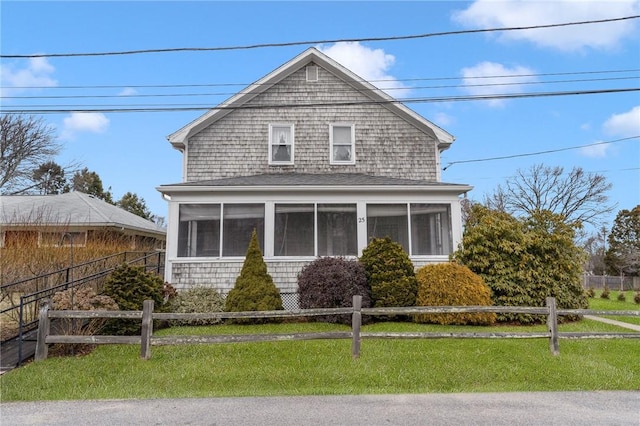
column 390, row 273
column 136, row 205
column 254, row 289
column 623, row 255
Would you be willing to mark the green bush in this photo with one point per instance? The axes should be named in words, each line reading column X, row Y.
column 605, row 293
column 450, row 284
column 390, row 274
column 331, row 282
column 254, row 289
column 591, row 293
column 622, row 297
column 636, row 297
column 524, row 261
column 197, row 300
column 129, row 286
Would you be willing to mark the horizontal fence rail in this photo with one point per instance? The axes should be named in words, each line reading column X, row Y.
column 146, row 316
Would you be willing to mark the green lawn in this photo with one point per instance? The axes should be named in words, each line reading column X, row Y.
column 613, row 304
column 324, row 367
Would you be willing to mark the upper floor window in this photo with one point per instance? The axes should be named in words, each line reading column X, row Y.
column 342, row 141
column 281, row 144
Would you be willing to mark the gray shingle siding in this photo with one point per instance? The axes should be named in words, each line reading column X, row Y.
column 222, row 274
column 237, row 144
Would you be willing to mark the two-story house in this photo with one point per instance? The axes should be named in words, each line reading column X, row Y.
column 318, row 161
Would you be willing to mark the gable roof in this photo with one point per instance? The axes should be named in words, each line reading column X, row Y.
column 72, row 209
column 179, row 138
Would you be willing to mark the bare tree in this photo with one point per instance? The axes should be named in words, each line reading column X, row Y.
column 578, row 196
column 25, row 143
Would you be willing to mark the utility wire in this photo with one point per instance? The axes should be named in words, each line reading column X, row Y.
column 505, row 157
column 166, row 86
column 297, row 43
column 293, row 92
column 325, row 104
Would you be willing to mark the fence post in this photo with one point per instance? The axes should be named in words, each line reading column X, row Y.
column 147, row 329
column 44, row 326
column 356, row 322
column 552, row 326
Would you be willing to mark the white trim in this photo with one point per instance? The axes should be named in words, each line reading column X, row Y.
column 273, row 143
column 352, row 152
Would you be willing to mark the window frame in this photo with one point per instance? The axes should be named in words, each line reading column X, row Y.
column 272, row 144
column 332, row 159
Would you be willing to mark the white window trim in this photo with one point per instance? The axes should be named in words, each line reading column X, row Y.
column 351, row 161
column 271, row 144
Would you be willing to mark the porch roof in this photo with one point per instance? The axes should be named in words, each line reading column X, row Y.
column 311, row 180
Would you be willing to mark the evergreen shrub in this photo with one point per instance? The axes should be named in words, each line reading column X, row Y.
column 390, row 274
column 198, row 300
column 254, row 289
column 591, row 293
column 636, row 297
column 605, row 293
column 331, row 282
column 450, row 284
column 129, row 286
column 622, row 297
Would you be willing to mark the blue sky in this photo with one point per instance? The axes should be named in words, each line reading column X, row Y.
column 130, row 152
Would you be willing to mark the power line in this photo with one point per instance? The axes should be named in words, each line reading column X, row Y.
column 165, row 86
column 154, row 108
column 506, row 157
column 311, row 42
column 291, row 92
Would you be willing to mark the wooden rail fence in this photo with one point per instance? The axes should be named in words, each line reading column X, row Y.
column 146, row 339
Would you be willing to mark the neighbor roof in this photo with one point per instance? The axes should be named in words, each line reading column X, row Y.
column 179, row 138
column 72, row 209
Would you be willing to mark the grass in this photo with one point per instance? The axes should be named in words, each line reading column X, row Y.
column 323, row 367
column 613, row 304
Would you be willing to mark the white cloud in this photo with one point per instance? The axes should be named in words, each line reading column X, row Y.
column 490, row 78
column 442, row 119
column 625, row 124
column 128, row 91
column 523, row 13
column 88, row 122
column 37, row 73
column 595, row 151
column 370, row 64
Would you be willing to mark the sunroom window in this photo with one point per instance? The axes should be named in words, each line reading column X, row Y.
column 388, row 220
column 337, row 230
column 239, row 221
column 199, row 230
column 281, row 138
column 294, row 230
column 342, row 145
column 431, row 229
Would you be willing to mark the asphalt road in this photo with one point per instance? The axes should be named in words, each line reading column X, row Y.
column 538, row 408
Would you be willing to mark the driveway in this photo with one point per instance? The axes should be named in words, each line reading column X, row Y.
column 538, row 408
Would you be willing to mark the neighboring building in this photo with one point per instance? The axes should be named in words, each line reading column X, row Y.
column 318, row 161
column 52, row 220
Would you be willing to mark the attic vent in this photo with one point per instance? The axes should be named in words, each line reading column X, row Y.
column 312, row 73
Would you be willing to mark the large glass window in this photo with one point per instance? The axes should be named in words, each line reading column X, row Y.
column 431, row 229
column 199, row 230
column 239, row 221
column 337, row 230
column 388, row 220
column 294, row 230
